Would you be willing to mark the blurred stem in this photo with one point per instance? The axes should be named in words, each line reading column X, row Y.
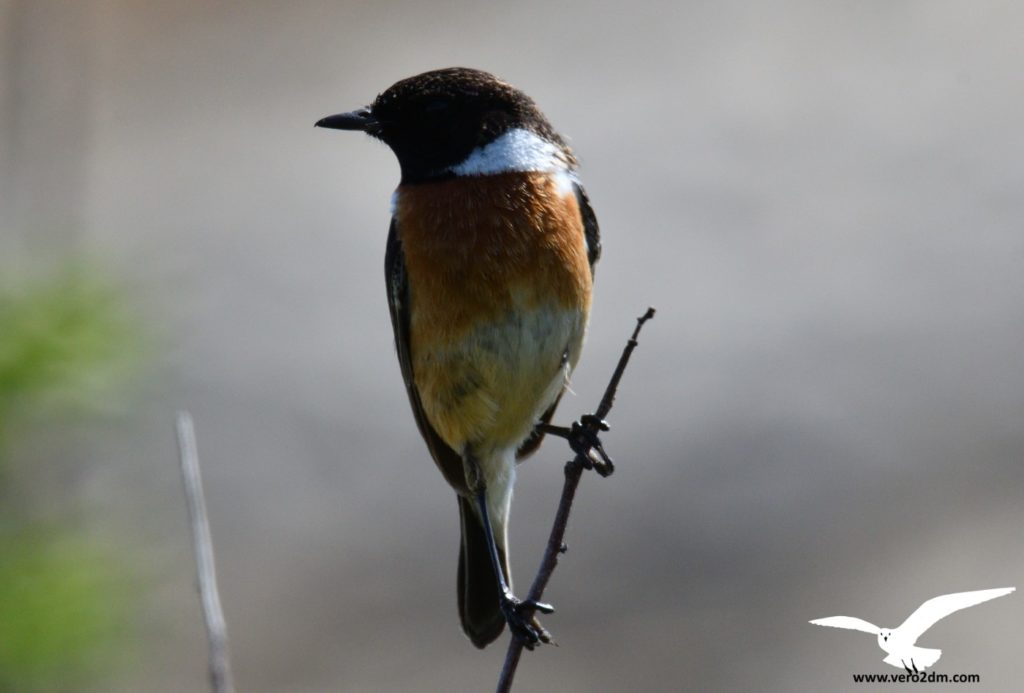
column 202, row 542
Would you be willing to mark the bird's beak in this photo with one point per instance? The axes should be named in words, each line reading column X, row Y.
column 360, row 119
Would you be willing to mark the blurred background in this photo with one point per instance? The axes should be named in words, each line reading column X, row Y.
column 827, row 416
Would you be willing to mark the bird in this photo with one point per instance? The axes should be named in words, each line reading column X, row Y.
column 900, row 643
column 489, row 271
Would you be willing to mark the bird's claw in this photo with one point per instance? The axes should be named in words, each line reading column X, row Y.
column 584, row 441
column 593, row 421
column 521, row 620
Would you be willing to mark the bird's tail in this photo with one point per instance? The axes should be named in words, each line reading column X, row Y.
column 920, row 658
column 479, row 592
column 925, row 656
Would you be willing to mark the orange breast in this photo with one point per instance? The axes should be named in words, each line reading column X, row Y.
column 473, row 245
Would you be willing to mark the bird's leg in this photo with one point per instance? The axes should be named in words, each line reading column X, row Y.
column 906, row 667
column 518, row 614
column 583, row 438
column 915, row 667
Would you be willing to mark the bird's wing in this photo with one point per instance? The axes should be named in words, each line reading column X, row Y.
column 533, row 441
column 937, row 608
column 847, row 622
column 592, row 234
column 591, row 231
column 447, row 460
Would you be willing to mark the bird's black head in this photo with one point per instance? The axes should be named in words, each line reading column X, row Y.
column 434, row 120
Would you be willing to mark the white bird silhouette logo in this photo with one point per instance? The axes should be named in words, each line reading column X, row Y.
column 899, row 643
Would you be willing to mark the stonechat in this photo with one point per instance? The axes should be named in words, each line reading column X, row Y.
column 489, row 267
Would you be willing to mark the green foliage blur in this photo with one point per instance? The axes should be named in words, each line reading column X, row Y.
column 62, row 612
column 67, row 344
column 64, row 342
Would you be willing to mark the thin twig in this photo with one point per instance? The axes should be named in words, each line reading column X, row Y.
column 216, row 629
column 573, row 472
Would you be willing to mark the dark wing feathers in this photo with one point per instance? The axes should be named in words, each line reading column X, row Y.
column 536, row 436
column 590, row 229
column 447, row 460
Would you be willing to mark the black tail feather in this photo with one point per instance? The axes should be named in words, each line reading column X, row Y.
column 479, row 594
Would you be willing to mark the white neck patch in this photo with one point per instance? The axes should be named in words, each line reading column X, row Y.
column 516, row 150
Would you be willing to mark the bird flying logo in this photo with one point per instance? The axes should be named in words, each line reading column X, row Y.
column 900, row 644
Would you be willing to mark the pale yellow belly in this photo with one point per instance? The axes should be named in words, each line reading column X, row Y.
column 488, row 389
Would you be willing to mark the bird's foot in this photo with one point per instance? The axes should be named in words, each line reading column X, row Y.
column 585, row 442
column 583, row 438
column 523, row 623
column 909, row 671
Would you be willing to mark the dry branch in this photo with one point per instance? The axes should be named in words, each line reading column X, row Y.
column 584, row 459
column 216, row 629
